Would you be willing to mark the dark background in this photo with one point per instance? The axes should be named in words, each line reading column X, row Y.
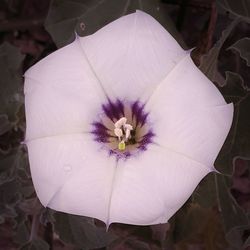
column 217, row 214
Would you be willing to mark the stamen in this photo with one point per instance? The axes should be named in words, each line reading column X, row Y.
column 118, row 132
column 122, row 131
column 128, row 126
column 121, row 122
column 127, row 134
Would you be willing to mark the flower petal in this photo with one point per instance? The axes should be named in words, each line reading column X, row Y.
column 189, row 115
column 196, row 133
column 185, row 86
column 70, row 174
column 61, row 94
column 150, row 188
column 132, row 55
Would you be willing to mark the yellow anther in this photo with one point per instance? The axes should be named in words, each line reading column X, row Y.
column 121, row 145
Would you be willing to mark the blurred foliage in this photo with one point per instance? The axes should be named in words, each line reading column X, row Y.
column 243, row 47
column 209, row 62
column 36, row 244
column 217, row 214
column 81, row 231
column 10, row 85
column 195, row 225
column 86, row 17
column 247, row 243
column 234, row 89
column 239, row 8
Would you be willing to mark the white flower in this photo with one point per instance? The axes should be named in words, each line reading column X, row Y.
column 121, row 125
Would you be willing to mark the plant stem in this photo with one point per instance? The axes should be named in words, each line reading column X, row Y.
column 34, row 227
column 211, row 27
column 48, row 235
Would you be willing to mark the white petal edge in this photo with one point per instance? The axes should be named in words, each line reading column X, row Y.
column 134, row 51
column 71, row 174
column 62, row 95
column 150, row 188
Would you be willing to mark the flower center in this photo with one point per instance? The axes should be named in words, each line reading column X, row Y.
column 123, row 131
column 123, row 128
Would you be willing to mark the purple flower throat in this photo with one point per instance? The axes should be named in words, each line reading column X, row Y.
column 140, row 134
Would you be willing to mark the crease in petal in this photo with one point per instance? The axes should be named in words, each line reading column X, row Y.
column 186, row 85
column 61, row 94
column 105, row 91
column 198, row 133
column 150, row 189
column 189, row 114
column 113, row 184
column 135, row 51
column 70, row 175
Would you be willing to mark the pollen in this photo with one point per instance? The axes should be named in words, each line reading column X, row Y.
column 121, row 145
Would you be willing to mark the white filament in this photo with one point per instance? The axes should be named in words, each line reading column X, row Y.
column 121, row 122
column 122, row 129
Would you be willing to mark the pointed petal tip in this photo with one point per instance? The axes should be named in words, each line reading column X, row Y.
column 214, row 170
column 189, row 52
column 108, row 226
column 76, row 37
column 142, row 14
column 23, row 142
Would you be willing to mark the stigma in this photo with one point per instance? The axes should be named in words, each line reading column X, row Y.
column 123, row 131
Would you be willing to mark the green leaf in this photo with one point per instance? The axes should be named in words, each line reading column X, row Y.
column 232, row 215
column 160, row 232
column 2, row 220
column 67, row 17
column 236, row 237
column 22, row 234
column 7, row 167
column 234, row 219
column 31, row 206
column 36, row 244
column 243, row 47
column 131, row 244
column 5, row 125
column 235, row 88
column 189, row 221
column 193, row 223
column 209, row 61
column 237, row 142
column 9, row 198
column 241, row 143
column 81, row 231
column 239, row 8
column 205, row 193
column 15, row 185
column 10, row 81
column 247, row 242
column 14, row 165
